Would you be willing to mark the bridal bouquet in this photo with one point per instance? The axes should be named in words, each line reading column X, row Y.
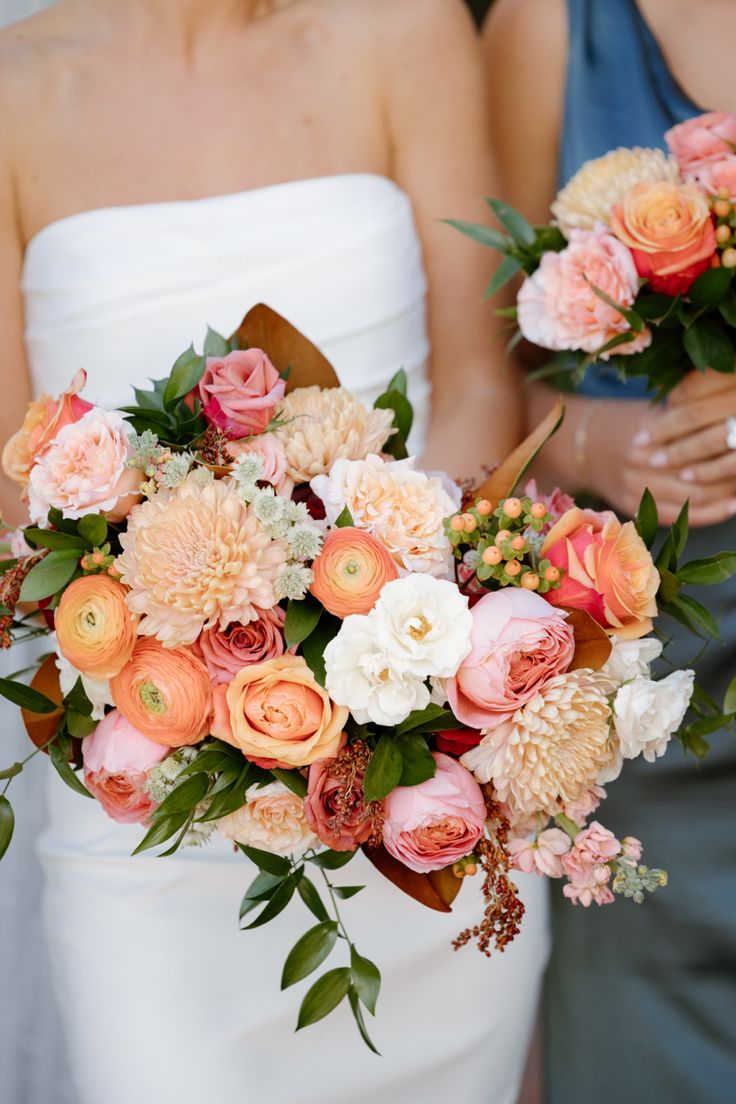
column 637, row 268
column 271, row 625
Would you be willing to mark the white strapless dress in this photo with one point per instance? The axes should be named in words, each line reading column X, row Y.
column 164, row 1001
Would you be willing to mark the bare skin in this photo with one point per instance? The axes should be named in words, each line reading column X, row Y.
column 117, row 102
column 679, row 453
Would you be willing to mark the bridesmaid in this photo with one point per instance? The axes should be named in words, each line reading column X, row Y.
column 641, row 1002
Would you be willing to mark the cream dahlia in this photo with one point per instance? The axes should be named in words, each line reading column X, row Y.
column 596, row 188
column 196, row 558
column 553, row 749
column 328, row 425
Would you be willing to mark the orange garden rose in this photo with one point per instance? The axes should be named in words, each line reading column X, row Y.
column 608, row 569
column 669, row 229
column 278, row 712
column 165, row 693
column 350, row 572
column 95, row 630
column 44, row 418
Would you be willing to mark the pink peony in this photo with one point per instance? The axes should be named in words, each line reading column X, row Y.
column 516, row 649
column 270, row 450
column 117, row 759
column 586, row 866
column 702, row 140
column 240, row 392
column 436, row 823
column 226, row 651
column 558, row 307
column 335, row 806
column 541, row 856
column 719, row 178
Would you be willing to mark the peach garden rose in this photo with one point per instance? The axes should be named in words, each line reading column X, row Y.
column 272, row 819
column 95, row 630
column 44, row 418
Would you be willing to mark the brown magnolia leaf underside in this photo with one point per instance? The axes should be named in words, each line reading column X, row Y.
column 286, row 348
column 436, row 890
column 42, row 726
column 502, row 482
column 592, row 643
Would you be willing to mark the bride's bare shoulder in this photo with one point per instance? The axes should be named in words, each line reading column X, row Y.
column 32, row 51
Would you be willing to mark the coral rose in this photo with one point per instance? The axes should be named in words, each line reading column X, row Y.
column 165, row 693
column 350, row 572
column 44, row 418
column 669, row 229
column 702, row 140
column 240, row 392
column 609, row 571
column 436, row 823
column 95, row 630
column 117, row 759
column 85, row 470
column 277, row 711
column 273, row 819
column 335, row 804
column 516, row 649
column 558, row 307
column 227, row 651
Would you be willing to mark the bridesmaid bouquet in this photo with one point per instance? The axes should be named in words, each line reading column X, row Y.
column 637, row 269
column 271, row 625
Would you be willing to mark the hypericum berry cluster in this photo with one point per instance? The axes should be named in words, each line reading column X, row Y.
column 500, row 547
column 99, row 562
column 725, row 216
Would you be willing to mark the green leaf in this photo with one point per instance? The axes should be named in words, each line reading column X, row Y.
column 668, row 585
column 51, row 538
column 302, row 618
column 345, row 520
column 331, row 860
column 366, row 978
column 696, row 744
column 7, row 824
column 418, row 763
column 711, row 570
column 435, row 718
column 50, row 575
column 681, row 529
column 398, row 382
column 185, row 797
column 402, row 408
column 647, row 518
column 710, row 724
column 79, row 724
column 215, row 344
column 710, row 289
column 346, row 892
column 728, row 308
column 485, row 235
column 230, row 798
column 709, row 346
column 27, row 698
column 506, row 271
column 185, row 375
column 635, row 320
column 383, row 773
column 520, row 230
column 729, row 700
column 313, row 648
column 12, row 771
column 324, row 996
column 162, row 830
column 693, row 614
column 311, row 898
column 653, row 307
column 360, row 1021
column 309, row 952
column 292, row 779
column 93, row 528
column 65, row 772
column 262, row 888
column 277, row 904
column 272, row 864
column 77, row 700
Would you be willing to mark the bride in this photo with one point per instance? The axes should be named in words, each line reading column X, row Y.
column 164, row 164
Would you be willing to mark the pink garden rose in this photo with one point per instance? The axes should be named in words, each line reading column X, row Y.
column 226, row 651
column 269, row 448
column 542, row 856
column 586, row 866
column 517, row 647
column 702, row 140
column 558, row 308
column 335, row 810
column 436, row 823
column 117, row 759
column 719, row 178
column 240, row 392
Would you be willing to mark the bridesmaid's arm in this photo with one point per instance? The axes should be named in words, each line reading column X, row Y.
column 441, row 158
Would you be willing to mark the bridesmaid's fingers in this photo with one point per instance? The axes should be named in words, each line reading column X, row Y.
column 701, row 385
column 685, row 419
column 701, row 445
column 713, row 514
column 720, row 470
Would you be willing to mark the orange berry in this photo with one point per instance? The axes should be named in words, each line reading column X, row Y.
column 470, row 523
column 97, row 558
column 484, row 507
column 518, row 543
column 84, row 563
column 502, row 536
column 513, row 508
column 552, row 575
column 728, row 257
column 492, row 556
column 722, row 208
column 513, row 568
column 457, row 524
column 471, row 870
column 113, row 571
column 723, row 233
column 724, row 191
column 538, row 511
column 530, row 581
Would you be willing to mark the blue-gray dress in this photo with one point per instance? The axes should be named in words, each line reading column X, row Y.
column 641, row 999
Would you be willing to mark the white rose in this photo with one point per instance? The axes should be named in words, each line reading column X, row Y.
column 631, row 658
column 96, row 689
column 648, row 713
column 424, row 624
column 364, row 678
column 272, row 819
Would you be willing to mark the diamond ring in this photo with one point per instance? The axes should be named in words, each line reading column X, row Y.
column 731, row 433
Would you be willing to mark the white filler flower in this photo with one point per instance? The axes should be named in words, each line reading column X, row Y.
column 647, row 713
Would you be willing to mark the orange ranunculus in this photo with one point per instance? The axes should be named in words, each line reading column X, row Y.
column 350, row 572
column 44, row 418
column 277, row 711
column 95, row 630
column 165, row 693
column 669, row 229
column 609, row 571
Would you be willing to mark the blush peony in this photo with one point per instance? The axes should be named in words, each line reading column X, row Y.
column 609, row 571
column 117, row 759
column 432, row 825
column 516, row 649
column 273, row 819
column 227, row 651
column 350, row 572
column 240, row 392
column 165, row 693
column 95, row 630
column 44, row 418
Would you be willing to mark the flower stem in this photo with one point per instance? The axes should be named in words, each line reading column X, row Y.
column 567, row 825
column 340, row 924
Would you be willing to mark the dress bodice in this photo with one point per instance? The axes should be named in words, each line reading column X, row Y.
column 121, row 291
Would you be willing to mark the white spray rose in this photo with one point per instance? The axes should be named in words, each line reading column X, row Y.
column 631, row 658
column 648, row 713
column 424, row 624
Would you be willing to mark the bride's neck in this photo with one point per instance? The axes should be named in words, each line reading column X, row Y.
column 184, row 19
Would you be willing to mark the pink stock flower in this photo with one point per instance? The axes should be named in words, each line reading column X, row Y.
column 632, row 848
column 117, row 759
column 240, row 392
column 517, row 647
column 586, row 866
column 558, row 307
column 585, row 805
column 226, row 651
column 542, row 856
column 436, row 823
column 702, row 140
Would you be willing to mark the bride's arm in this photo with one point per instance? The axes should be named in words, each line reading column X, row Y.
column 433, row 73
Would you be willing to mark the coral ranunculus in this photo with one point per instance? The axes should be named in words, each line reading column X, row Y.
column 117, row 759
column 351, row 571
column 277, row 711
column 165, row 693
column 95, row 630
column 44, row 418
column 669, row 229
column 609, row 571
column 240, row 392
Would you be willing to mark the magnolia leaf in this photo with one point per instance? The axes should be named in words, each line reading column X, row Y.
column 286, row 348
column 41, row 727
column 501, row 483
column 592, row 643
column 436, row 890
